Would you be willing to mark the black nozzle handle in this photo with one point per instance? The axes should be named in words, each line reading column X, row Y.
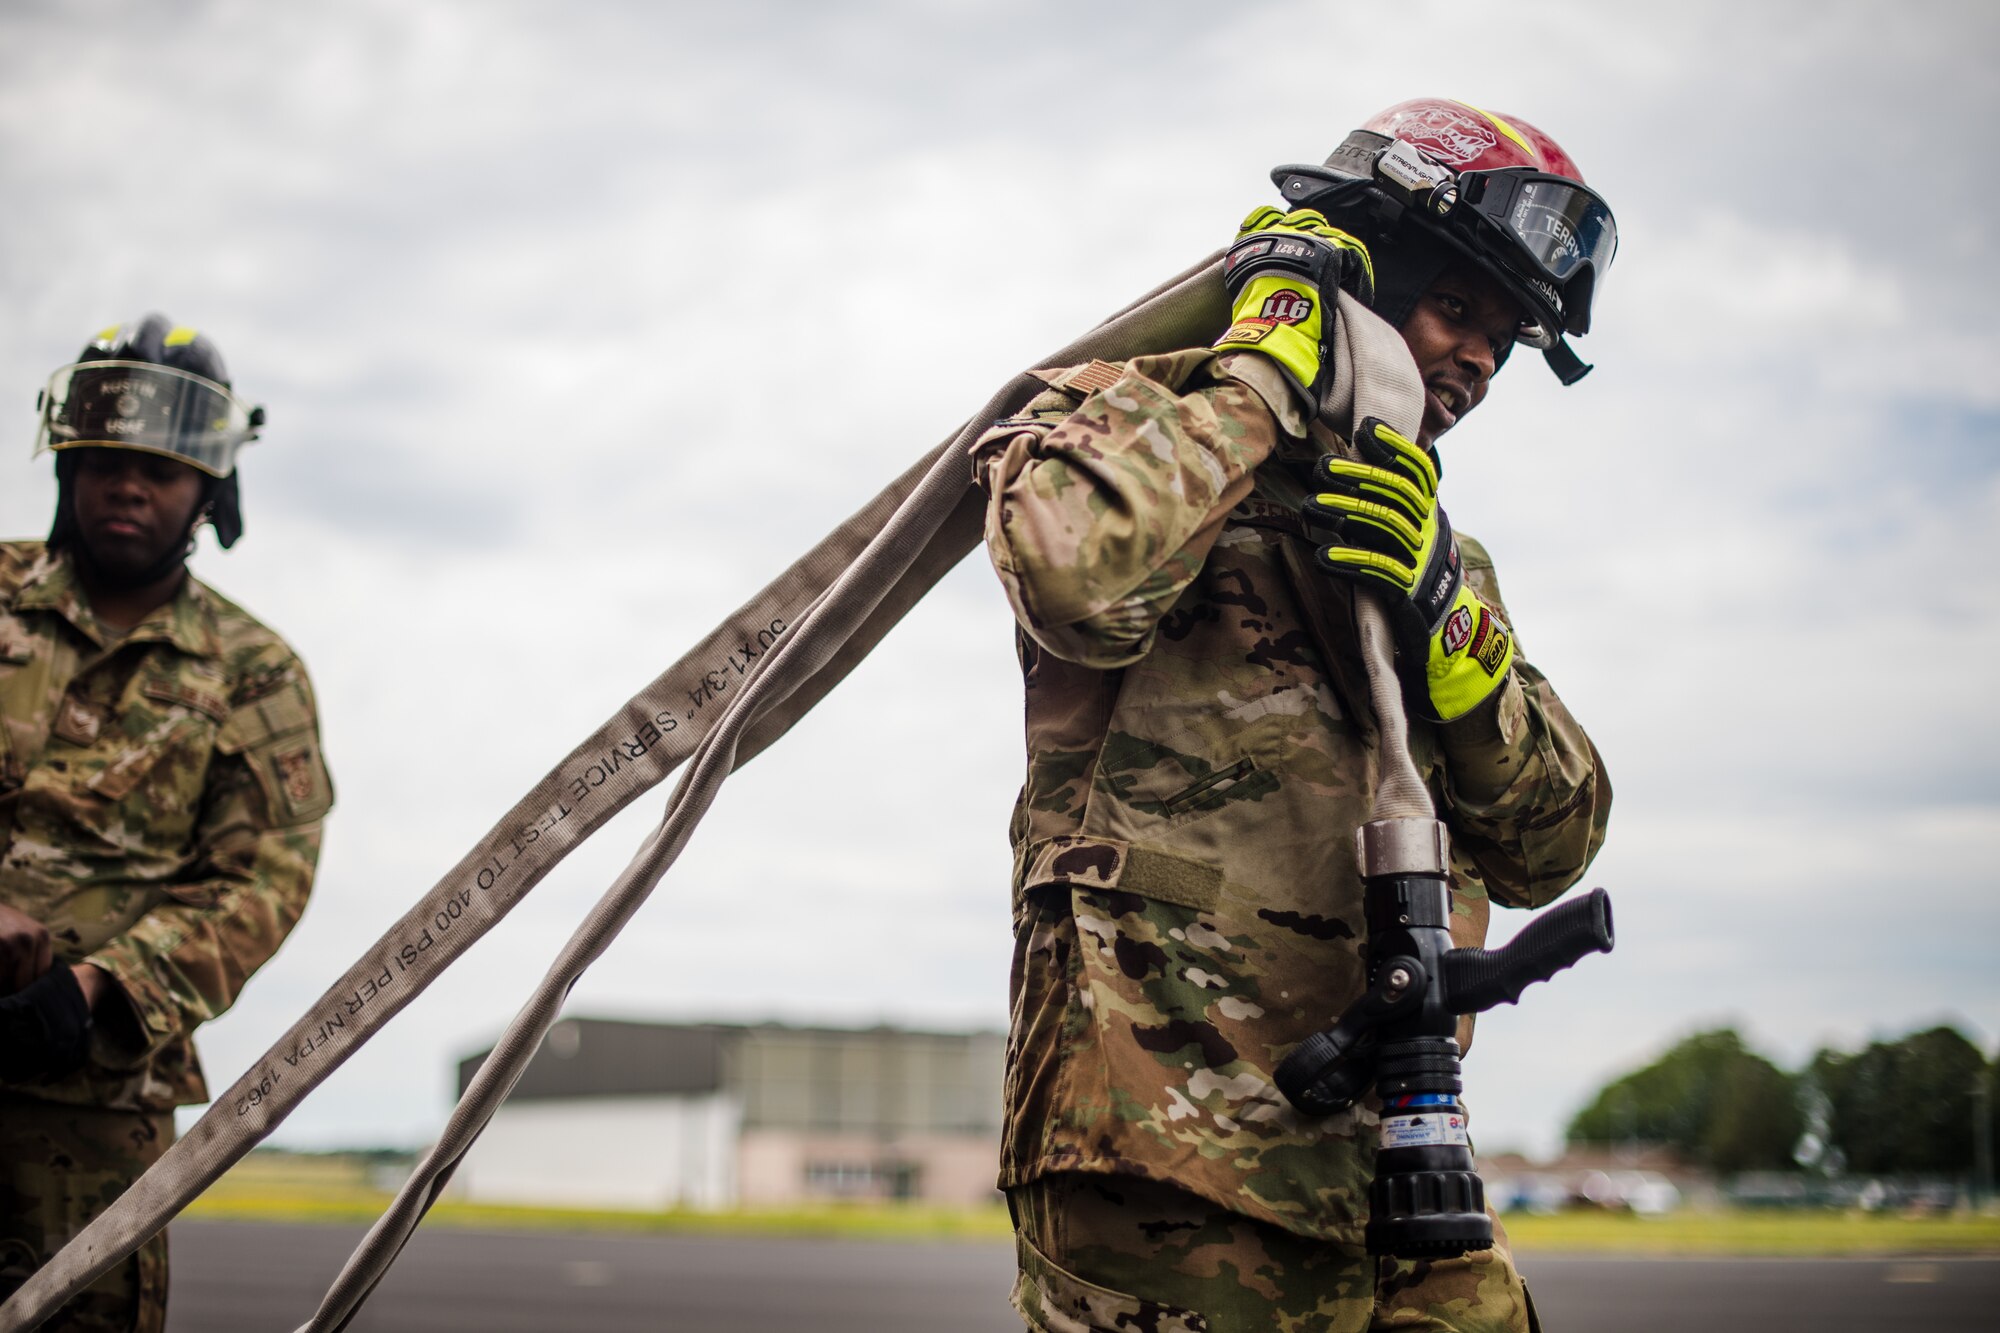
column 1317, row 1076
column 1477, row 979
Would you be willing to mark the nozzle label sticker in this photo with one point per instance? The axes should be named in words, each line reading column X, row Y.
column 1424, row 1131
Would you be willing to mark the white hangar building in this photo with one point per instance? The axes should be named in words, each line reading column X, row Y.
column 654, row 1115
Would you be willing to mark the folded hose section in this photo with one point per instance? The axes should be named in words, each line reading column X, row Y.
column 804, row 632
column 1373, row 376
column 1380, row 381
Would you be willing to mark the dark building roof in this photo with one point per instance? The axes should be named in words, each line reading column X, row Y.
column 878, row 1079
column 597, row 1057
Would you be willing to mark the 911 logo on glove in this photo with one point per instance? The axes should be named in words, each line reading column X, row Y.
column 1287, row 305
column 1457, row 630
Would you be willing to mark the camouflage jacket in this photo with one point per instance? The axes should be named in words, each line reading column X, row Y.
column 1200, row 754
column 160, row 806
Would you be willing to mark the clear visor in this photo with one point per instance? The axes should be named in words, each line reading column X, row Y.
column 138, row 405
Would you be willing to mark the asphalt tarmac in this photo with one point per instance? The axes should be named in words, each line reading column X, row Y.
column 233, row 1277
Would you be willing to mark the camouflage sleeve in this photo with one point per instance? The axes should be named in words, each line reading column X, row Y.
column 1526, row 794
column 251, row 867
column 1098, row 518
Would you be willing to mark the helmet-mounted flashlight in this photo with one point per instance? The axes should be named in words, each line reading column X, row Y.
column 1416, row 180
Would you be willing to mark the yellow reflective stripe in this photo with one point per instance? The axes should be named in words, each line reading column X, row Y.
column 1367, row 472
column 108, row 334
column 1401, row 575
column 1507, row 130
column 1383, row 516
column 1415, row 503
column 1412, row 454
column 181, row 336
column 1399, row 490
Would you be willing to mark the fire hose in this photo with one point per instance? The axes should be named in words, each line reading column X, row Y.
column 800, row 636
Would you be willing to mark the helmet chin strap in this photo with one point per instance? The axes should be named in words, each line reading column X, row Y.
column 1563, row 360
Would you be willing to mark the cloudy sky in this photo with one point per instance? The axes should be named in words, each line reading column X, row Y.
column 576, row 323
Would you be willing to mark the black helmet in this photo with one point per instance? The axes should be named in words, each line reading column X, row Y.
column 155, row 387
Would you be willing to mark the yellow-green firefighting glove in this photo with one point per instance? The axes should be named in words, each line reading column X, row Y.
column 1388, row 533
column 1278, row 274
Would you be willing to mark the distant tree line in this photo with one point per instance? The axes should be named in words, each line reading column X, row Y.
column 1913, row 1106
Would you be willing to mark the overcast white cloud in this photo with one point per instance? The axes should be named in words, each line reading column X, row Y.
column 577, row 323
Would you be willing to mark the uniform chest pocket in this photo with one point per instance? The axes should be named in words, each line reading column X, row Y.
column 167, row 740
column 1147, row 780
column 1213, row 790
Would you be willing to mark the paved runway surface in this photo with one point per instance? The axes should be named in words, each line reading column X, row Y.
column 231, row 1277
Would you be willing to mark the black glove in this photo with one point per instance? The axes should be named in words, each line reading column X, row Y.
column 44, row 1027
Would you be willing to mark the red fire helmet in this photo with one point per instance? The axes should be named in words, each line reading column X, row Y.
column 1496, row 188
column 1466, row 138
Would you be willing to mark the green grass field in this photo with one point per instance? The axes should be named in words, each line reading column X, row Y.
column 1795, row 1234
column 282, row 1187
column 278, row 1187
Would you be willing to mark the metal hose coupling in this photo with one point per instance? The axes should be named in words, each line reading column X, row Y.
column 1402, row 847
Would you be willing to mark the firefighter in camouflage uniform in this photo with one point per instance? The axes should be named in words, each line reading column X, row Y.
column 161, row 793
column 1181, row 542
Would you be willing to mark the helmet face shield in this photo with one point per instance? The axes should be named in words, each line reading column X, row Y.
column 1558, row 232
column 152, row 408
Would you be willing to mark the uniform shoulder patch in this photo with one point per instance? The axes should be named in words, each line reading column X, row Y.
column 1081, row 381
column 295, row 773
column 293, row 777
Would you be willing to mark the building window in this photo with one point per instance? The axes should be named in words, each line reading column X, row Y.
column 862, row 1180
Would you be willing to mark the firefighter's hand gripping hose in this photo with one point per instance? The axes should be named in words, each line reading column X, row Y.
column 1389, row 533
column 1283, row 273
column 44, row 1026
